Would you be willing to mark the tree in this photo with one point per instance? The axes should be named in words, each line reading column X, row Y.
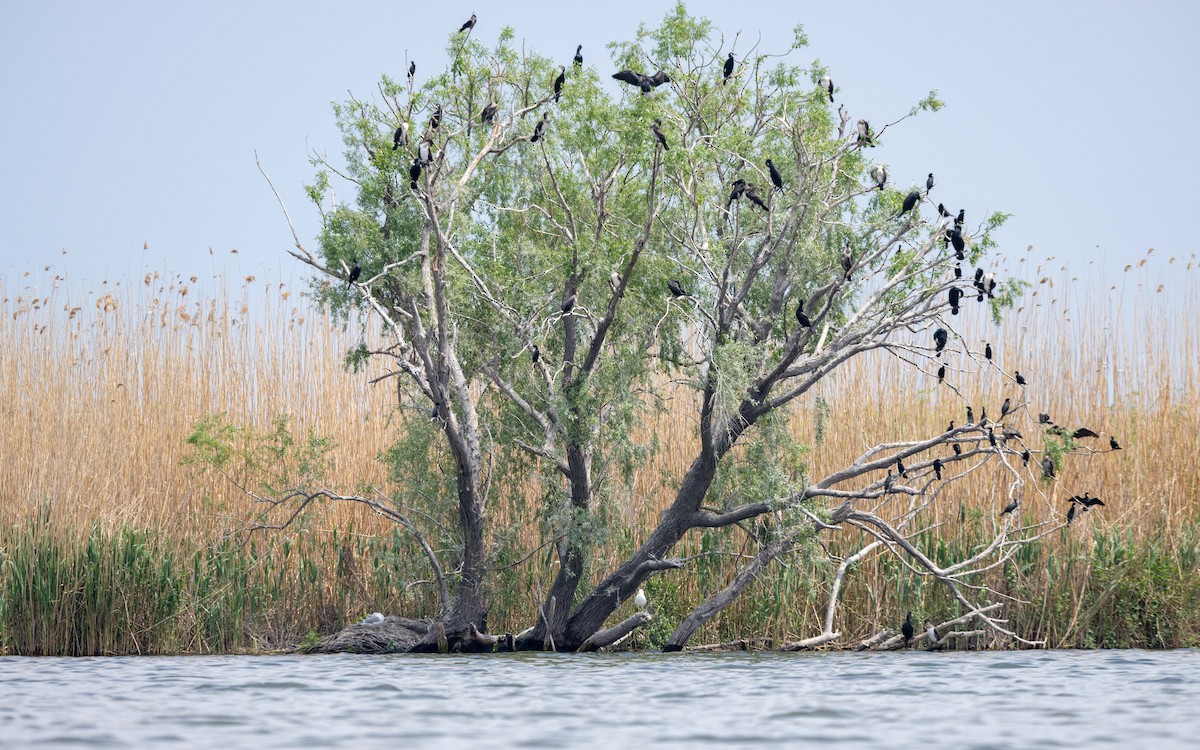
column 513, row 275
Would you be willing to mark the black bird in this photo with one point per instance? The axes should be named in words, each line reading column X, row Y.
column 1010, row 434
column 991, row 286
column 539, row 132
column 1020, row 377
column 864, row 134
column 983, row 415
column 910, row 202
column 847, row 260
column 401, row 136
column 889, row 481
column 987, row 351
column 1010, row 507
column 940, row 337
column 470, row 24
column 579, row 56
column 412, row 69
column 955, row 296
column 436, row 120
column 970, row 416
column 942, row 212
column 414, row 173
column 1047, row 468
column 739, row 189
column 1044, row 418
column 1025, row 457
column 941, row 373
column 879, row 174
column 728, row 70
column 776, row 178
column 676, row 289
column 568, row 304
column 801, row 317
column 1005, row 407
column 425, row 152
column 937, row 468
column 1113, row 444
column 959, row 243
column 1087, row 501
column 958, row 220
column 645, row 83
column 827, row 83
column 658, row 79
column 957, row 449
column 433, row 415
column 907, row 629
column 558, row 82
column 488, row 114
column 978, row 276
column 991, row 437
column 658, row 134
column 951, row 427
column 957, row 270
column 628, row 76
column 535, row 354
column 355, row 272
column 1071, row 513
column 929, row 182
column 1083, row 432
column 900, row 468
column 755, row 198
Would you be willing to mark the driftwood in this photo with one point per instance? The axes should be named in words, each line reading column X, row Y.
column 392, row 635
column 610, row 636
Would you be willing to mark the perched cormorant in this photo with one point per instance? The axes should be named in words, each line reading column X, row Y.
column 1113, row 444
column 983, row 415
column 676, row 289
column 434, row 415
column 987, row 351
column 436, row 121
column 1083, row 432
column 1020, row 378
column 940, row 337
column 401, row 136
column 847, row 260
column 910, row 202
column 951, row 427
column 827, row 83
column 959, row 243
column 568, row 304
column 535, row 354
column 970, row 415
column 864, row 134
column 801, row 317
column 1071, row 513
column 879, row 175
column 1025, row 457
column 355, row 272
column 776, row 178
column 1005, row 407
column 558, row 82
column 639, row 599
column 955, row 296
column 425, row 152
column 488, row 115
column 739, row 189
column 900, row 468
column 470, row 24
column 991, row 437
column 907, row 628
column 658, row 134
column 414, row 173
column 978, row 276
column 937, row 468
column 614, row 281
column 889, row 481
column 412, row 69
column 941, row 373
column 958, row 220
column 929, row 182
column 658, row 79
column 1044, row 418
column 579, row 56
column 1047, row 468
column 1087, row 501
column 755, row 198
column 728, row 69
column 931, row 631
column 1010, row 507
column 957, row 449
column 958, row 270
column 942, row 212
column 645, row 83
column 539, row 131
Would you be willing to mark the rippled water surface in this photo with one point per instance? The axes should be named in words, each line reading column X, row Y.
column 938, row 700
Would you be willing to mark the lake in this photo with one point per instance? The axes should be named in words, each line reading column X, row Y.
column 892, row 700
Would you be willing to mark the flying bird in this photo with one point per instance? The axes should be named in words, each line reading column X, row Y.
column 827, row 83
column 676, row 289
column 579, row 56
column 879, row 175
column 558, row 82
column 776, row 178
column 801, row 317
column 728, row 69
column 470, row 24
column 539, row 132
column 655, row 127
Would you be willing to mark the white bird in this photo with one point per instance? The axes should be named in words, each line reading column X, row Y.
column 373, row 618
column 879, row 175
column 640, row 599
column 931, row 631
column 614, row 281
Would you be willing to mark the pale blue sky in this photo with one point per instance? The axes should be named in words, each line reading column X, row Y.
column 133, row 122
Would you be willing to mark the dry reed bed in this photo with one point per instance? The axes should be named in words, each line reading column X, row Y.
column 100, row 388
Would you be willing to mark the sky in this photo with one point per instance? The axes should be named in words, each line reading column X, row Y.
column 130, row 128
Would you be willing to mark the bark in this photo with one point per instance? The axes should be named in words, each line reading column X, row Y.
column 610, row 636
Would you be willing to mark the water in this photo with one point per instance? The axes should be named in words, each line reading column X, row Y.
column 915, row 699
